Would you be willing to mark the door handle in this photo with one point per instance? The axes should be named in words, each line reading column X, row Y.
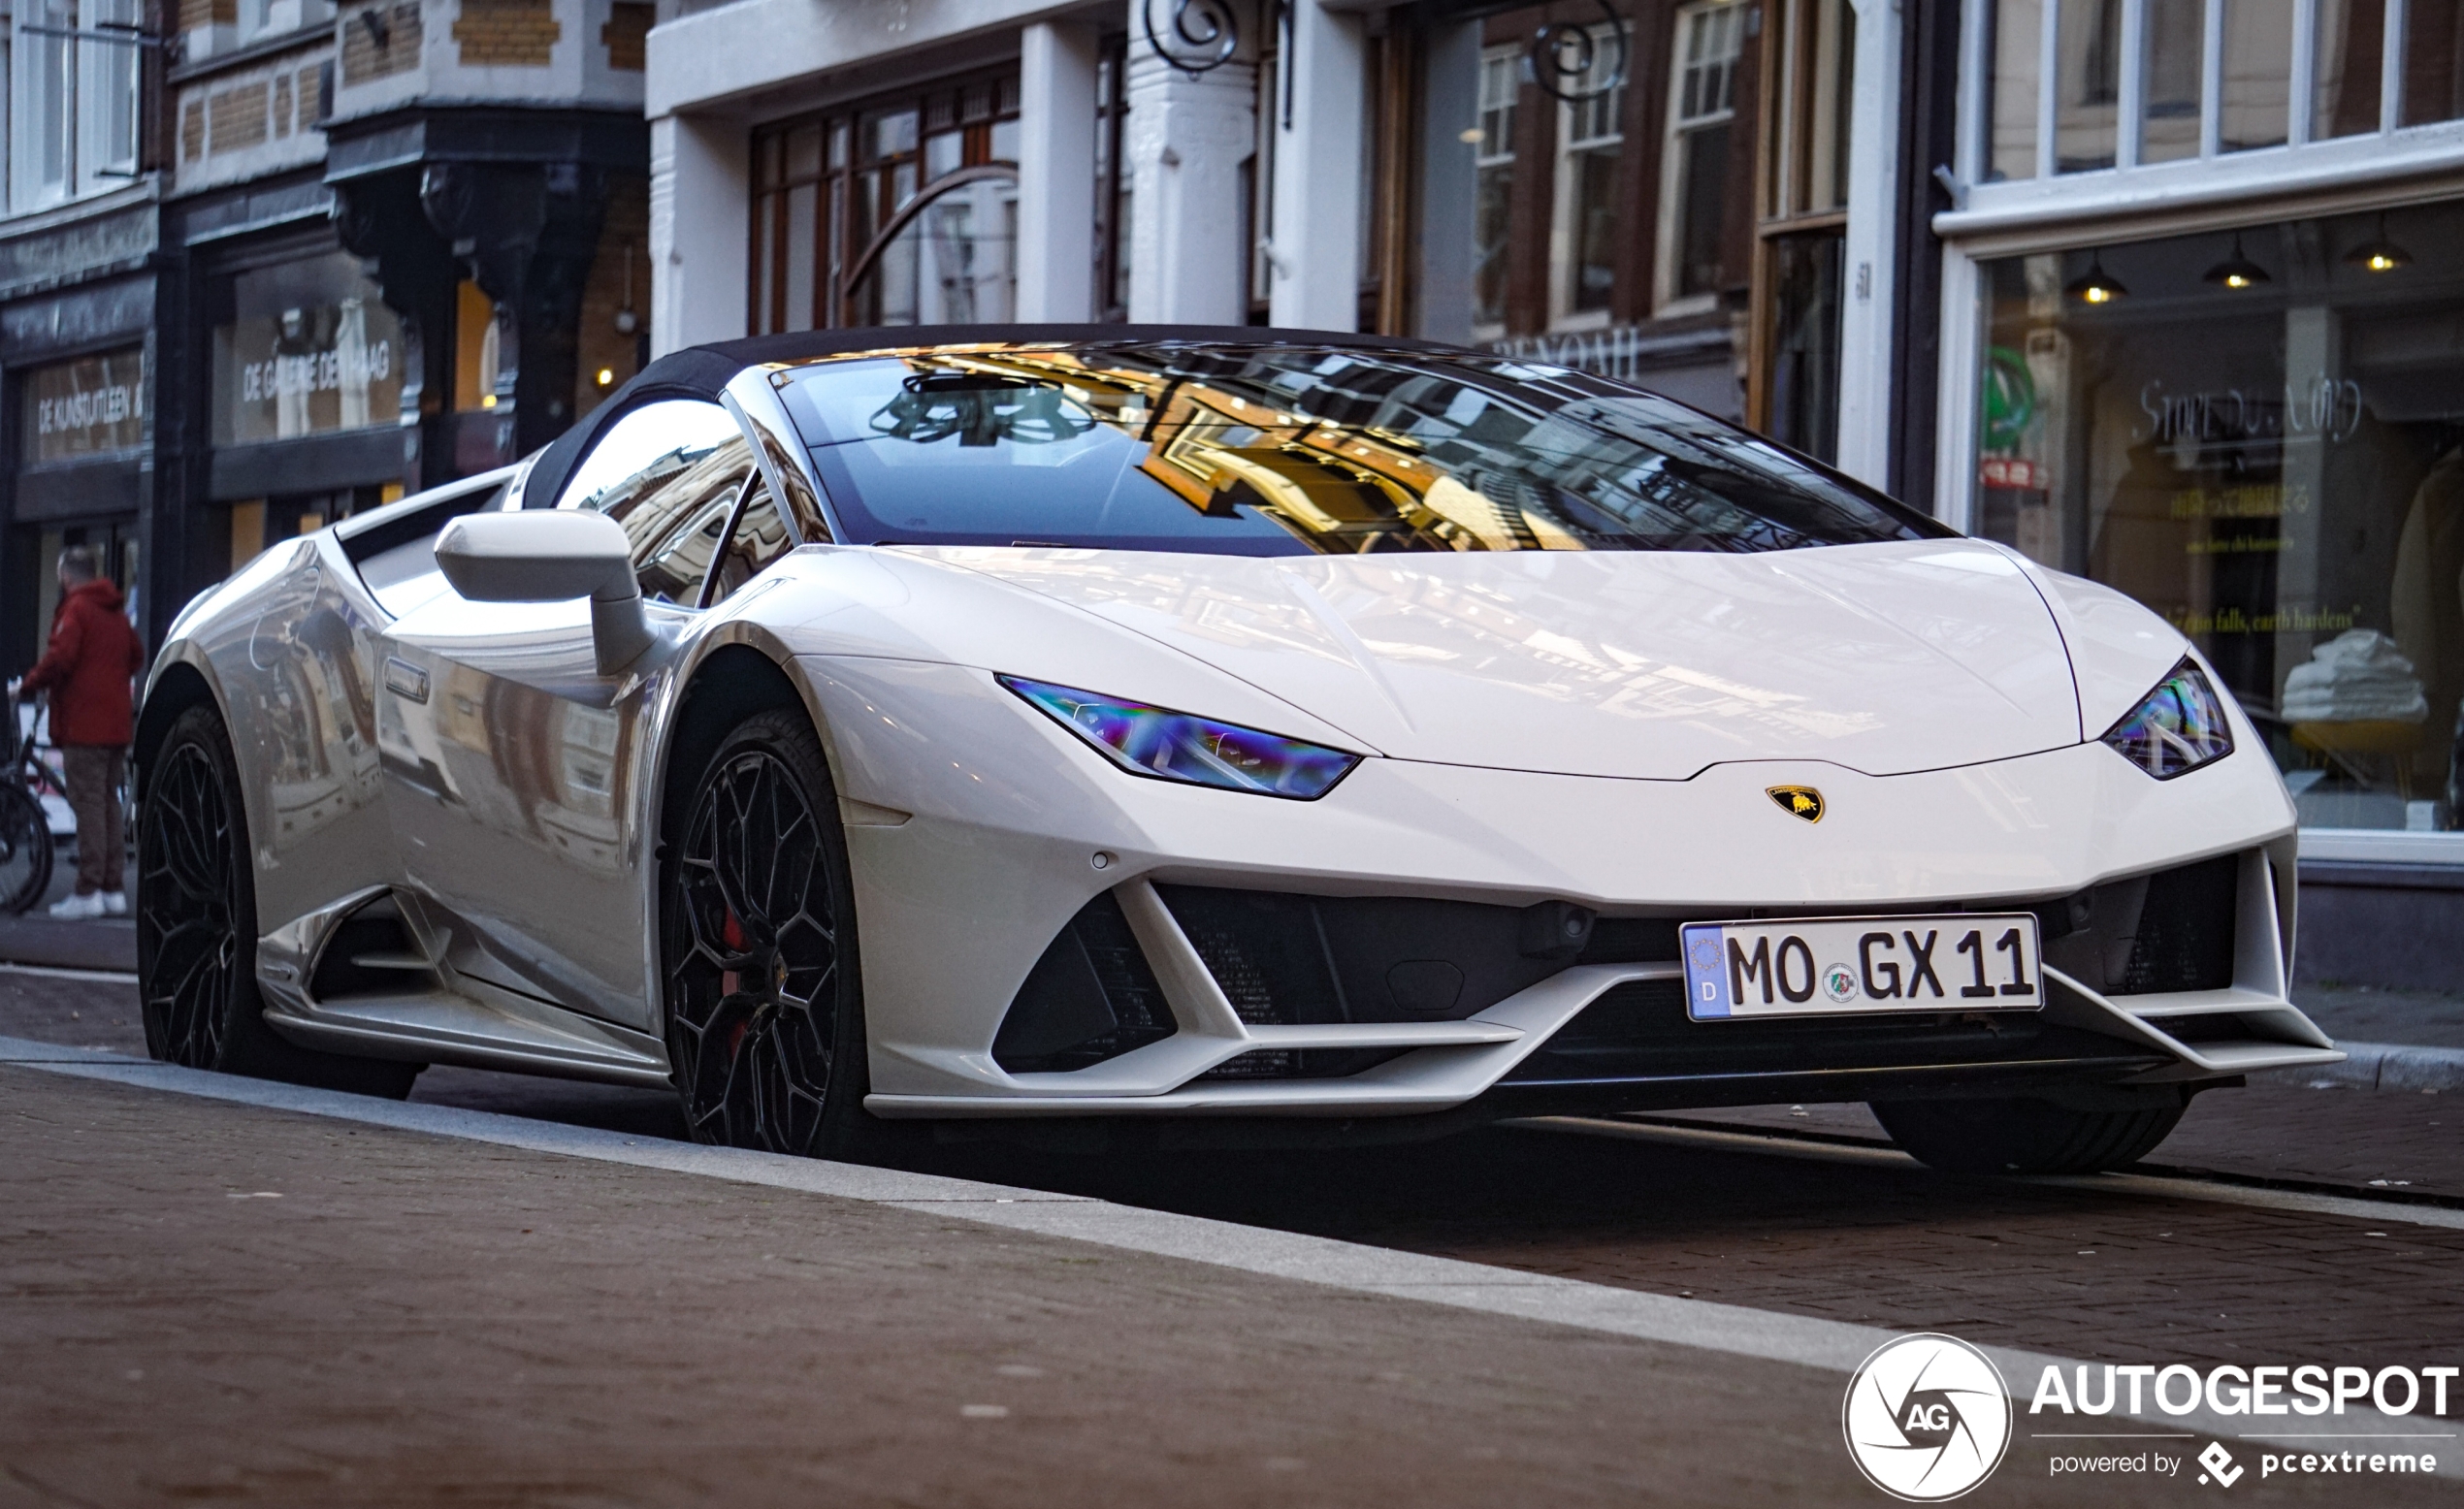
column 405, row 680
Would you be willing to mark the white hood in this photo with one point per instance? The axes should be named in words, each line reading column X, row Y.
column 1885, row 659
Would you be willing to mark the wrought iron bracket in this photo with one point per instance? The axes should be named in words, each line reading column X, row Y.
column 1205, row 34
column 1562, row 55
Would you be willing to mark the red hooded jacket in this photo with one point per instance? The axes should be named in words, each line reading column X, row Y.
column 93, row 653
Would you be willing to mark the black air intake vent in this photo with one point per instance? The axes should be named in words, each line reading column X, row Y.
column 2184, row 940
column 1307, row 959
column 1091, row 996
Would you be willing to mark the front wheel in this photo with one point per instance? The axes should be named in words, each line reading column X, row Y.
column 197, row 927
column 26, row 849
column 766, row 1014
column 2023, row 1136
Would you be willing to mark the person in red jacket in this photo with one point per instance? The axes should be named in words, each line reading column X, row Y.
column 89, row 668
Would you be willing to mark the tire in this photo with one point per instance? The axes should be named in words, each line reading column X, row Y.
column 196, row 909
column 2023, row 1136
column 26, row 850
column 762, row 991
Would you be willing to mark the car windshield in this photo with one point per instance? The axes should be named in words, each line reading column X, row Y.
column 1285, row 450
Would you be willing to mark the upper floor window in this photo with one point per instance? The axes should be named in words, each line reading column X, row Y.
column 1493, row 158
column 1696, row 173
column 1583, row 265
column 900, row 212
column 2212, row 77
column 74, row 68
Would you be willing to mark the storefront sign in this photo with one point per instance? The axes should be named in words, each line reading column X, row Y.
column 92, row 407
column 313, row 349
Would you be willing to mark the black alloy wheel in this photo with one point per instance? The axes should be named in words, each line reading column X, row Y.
column 197, row 927
column 187, row 937
column 765, row 1007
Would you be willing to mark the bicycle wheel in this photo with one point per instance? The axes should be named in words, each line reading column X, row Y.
column 26, row 850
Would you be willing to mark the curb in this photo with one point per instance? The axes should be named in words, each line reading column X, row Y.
column 2387, row 1067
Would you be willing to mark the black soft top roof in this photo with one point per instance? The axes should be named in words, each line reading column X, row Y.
column 703, row 372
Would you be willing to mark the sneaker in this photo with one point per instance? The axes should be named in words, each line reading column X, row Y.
column 115, row 902
column 78, row 908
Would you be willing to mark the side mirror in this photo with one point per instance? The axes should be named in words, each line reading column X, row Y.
column 552, row 556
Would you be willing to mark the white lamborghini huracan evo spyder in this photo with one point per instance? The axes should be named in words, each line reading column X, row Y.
column 1219, row 733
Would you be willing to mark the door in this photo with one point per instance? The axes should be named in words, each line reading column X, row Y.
column 520, row 822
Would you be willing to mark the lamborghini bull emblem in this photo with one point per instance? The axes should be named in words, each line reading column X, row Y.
column 1798, row 801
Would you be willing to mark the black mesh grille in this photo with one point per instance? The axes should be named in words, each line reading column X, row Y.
column 1307, row 959
column 1091, row 996
column 2186, row 929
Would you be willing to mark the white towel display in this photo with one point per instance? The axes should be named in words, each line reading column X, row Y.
column 2357, row 676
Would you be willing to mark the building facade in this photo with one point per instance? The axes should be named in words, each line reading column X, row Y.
column 79, row 230
column 303, row 259
column 1691, row 192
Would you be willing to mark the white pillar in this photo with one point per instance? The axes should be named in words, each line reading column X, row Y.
column 1315, row 252
column 1185, row 140
column 700, row 201
column 1057, row 173
column 1866, row 351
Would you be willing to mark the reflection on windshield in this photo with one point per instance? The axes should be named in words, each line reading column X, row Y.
column 1284, row 450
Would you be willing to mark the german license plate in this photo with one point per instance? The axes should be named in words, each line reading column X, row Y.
column 1840, row 966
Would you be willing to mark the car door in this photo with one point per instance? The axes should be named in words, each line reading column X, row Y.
column 519, row 826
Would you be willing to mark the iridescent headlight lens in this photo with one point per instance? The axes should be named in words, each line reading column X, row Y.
column 2177, row 727
column 1156, row 741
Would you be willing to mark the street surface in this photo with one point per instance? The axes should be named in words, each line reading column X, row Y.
column 213, row 1300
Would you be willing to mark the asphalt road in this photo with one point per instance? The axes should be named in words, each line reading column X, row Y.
column 412, row 1319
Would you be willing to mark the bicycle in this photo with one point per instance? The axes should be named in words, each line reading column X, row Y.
column 26, row 828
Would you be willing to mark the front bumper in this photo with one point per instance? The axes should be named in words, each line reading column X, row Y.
column 981, row 829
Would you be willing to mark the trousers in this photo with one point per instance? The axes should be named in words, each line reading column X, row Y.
column 95, row 772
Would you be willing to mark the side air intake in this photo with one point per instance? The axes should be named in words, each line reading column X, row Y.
column 1091, row 997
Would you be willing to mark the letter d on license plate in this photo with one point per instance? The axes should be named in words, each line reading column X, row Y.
column 1844, row 966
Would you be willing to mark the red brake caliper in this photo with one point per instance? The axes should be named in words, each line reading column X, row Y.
column 732, row 933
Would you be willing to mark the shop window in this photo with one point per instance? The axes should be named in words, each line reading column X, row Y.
column 2277, row 468
column 879, row 214
column 86, row 410
column 1694, row 166
column 475, row 349
column 310, row 348
column 1493, row 164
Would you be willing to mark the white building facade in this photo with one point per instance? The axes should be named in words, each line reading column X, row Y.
column 1690, row 192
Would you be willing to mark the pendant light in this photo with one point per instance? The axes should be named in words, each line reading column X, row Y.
column 2095, row 285
column 2237, row 271
column 2379, row 254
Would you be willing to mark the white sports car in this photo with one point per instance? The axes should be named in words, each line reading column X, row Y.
column 1177, row 728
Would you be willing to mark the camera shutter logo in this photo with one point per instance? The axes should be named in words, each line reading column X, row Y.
column 1926, row 1418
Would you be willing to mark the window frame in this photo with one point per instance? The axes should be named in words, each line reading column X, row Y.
column 1666, row 302
column 943, row 106
column 1565, row 232
column 1494, row 152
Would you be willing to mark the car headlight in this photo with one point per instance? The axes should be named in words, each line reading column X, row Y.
column 2177, row 727
column 1156, row 741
